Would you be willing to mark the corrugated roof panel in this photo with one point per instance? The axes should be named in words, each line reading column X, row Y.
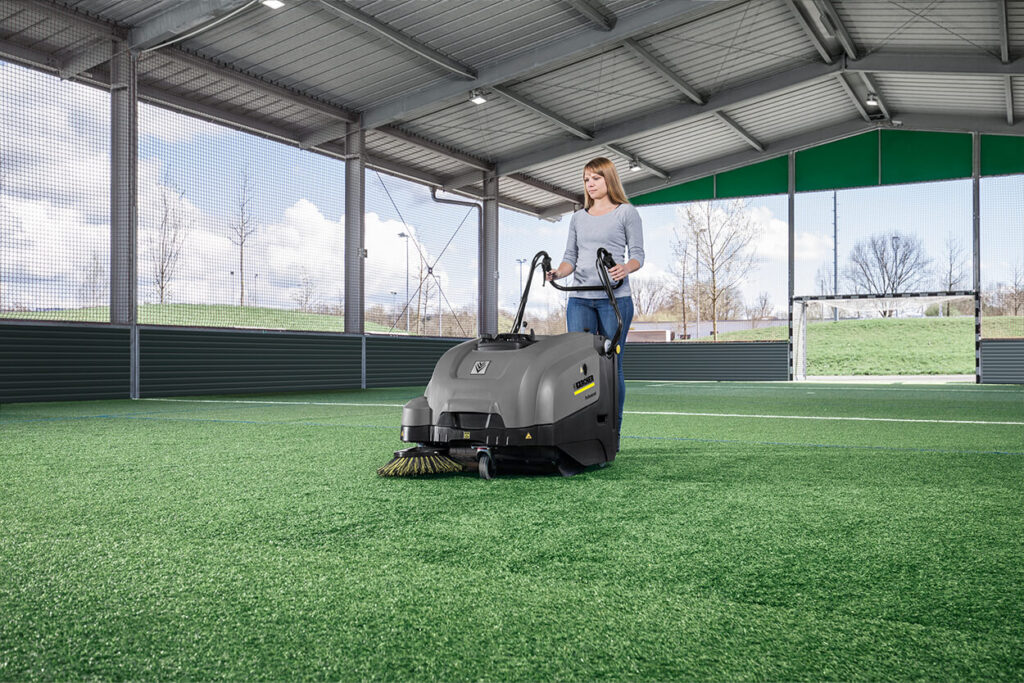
column 686, row 144
column 733, row 46
column 526, row 193
column 926, row 93
column 1015, row 25
column 476, row 32
column 127, row 12
column 961, row 25
column 601, row 91
column 413, row 155
column 489, row 131
column 326, row 55
column 783, row 114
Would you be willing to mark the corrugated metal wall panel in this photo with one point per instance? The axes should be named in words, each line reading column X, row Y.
column 1002, row 361
column 179, row 361
column 729, row 361
column 63, row 362
column 403, row 361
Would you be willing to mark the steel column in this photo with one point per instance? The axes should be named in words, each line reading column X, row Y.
column 355, row 238
column 488, row 249
column 123, row 198
column 792, row 255
column 976, row 247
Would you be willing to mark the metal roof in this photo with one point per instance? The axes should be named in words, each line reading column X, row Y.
column 683, row 87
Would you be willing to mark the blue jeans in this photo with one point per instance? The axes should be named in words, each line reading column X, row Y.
column 598, row 316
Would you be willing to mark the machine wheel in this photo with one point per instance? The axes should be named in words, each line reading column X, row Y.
column 486, row 467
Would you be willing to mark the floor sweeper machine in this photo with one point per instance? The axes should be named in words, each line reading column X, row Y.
column 517, row 402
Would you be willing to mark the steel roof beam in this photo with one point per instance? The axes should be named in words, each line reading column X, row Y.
column 656, row 64
column 739, row 130
column 179, row 20
column 552, row 54
column 830, row 19
column 809, row 31
column 1004, row 33
column 553, row 190
column 554, row 118
column 1009, row 99
column 27, row 55
column 443, row 150
column 379, row 27
column 934, row 63
column 872, row 87
column 651, row 168
column 853, row 97
column 746, row 157
column 603, row 20
column 667, row 116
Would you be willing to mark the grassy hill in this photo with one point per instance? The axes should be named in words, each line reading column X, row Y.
column 894, row 346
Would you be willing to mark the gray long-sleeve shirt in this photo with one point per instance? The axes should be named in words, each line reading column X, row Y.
column 616, row 231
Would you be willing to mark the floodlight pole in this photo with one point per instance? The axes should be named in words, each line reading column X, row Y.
column 406, row 236
column 835, row 255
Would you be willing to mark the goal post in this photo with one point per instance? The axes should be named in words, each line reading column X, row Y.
column 872, row 304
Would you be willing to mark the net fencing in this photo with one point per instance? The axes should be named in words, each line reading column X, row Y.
column 421, row 263
column 54, row 198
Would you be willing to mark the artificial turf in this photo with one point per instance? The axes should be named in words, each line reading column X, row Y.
column 204, row 540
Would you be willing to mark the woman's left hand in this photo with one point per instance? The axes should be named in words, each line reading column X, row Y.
column 618, row 272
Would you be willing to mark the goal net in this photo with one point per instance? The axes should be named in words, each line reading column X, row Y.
column 861, row 305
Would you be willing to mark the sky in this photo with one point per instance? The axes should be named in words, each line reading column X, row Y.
column 54, row 213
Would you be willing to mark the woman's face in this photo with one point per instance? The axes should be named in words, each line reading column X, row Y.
column 595, row 185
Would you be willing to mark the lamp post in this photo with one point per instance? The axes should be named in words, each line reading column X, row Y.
column 394, row 306
column 404, row 235
column 696, row 278
column 520, row 261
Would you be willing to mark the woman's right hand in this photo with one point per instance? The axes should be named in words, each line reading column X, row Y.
column 550, row 276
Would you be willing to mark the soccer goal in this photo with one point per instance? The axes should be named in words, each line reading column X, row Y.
column 869, row 305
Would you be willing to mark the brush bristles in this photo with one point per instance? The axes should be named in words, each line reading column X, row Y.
column 420, row 464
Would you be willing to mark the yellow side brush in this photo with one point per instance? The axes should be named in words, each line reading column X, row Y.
column 410, row 463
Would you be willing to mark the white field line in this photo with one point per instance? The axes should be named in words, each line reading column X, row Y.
column 935, row 388
column 628, row 412
column 276, row 403
column 817, row 417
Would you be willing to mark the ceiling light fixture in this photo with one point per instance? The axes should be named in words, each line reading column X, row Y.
column 477, row 96
column 273, row 4
column 634, row 165
column 872, row 100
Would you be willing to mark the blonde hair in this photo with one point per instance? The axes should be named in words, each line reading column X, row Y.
column 604, row 167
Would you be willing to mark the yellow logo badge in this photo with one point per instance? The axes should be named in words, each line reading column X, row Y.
column 465, row 435
column 528, row 436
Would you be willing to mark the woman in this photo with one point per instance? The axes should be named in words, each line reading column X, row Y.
column 607, row 220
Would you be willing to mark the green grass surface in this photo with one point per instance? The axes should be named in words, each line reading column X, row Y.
column 900, row 346
column 206, row 316
column 169, row 540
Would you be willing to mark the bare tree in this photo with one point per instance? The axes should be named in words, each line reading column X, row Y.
column 951, row 272
column 722, row 235
column 94, row 279
column 649, row 294
column 888, row 263
column 242, row 228
column 680, row 269
column 171, row 234
column 306, row 295
column 761, row 309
